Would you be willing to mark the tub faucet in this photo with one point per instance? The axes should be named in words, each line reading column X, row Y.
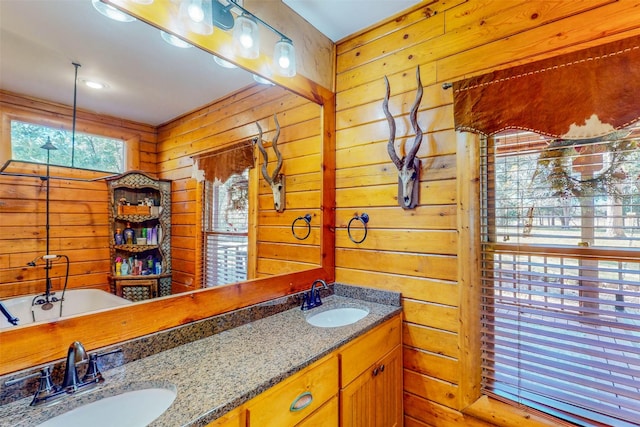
column 312, row 299
column 10, row 318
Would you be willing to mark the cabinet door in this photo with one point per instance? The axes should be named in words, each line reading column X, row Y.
column 357, row 402
column 374, row 399
column 388, row 390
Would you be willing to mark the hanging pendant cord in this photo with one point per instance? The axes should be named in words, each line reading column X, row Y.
column 73, row 125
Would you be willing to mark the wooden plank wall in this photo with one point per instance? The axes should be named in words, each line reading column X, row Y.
column 224, row 123
column 79, row 226
column 423, row 253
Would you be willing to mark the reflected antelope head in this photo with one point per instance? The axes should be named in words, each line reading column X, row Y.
column 275, row 180
column 409, row 165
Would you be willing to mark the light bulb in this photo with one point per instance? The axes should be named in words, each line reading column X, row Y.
column 195, row 11
column 284, row 62
column 246, row 39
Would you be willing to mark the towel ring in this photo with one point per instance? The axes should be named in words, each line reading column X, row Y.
column 364, row 219
column 307, row 220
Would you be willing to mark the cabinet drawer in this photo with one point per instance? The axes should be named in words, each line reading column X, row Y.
column 235, row 418
column 326, row 416
column 362, row 353
column 311, row 388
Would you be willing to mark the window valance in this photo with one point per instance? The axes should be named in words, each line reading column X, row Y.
column 223, row 163
column 583, row 94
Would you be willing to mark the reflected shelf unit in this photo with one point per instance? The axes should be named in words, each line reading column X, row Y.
column 140, row 209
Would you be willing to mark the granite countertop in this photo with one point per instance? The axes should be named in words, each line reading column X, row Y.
column 214, row 375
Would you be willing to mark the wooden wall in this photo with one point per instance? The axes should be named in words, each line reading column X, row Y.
column 79, row 226
column 222, row 124
column 428, row 253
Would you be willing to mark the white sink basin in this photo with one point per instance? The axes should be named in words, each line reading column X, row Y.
column 334, row 317
column 135, row 408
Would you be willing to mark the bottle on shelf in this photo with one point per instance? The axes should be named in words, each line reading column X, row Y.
column 129, row 235
column 118, row 237
column 124, row 268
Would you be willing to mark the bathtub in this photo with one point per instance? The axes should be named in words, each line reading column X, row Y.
column 76, row 301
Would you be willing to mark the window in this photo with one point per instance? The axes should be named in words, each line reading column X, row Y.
column 561, row 275
column 226, row 213
column 87, row 152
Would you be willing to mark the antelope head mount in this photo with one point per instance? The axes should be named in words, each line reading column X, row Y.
column 409, row 165
column 276, row 179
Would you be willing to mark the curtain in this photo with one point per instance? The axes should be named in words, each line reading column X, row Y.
column 223, row 163
column 583, row 94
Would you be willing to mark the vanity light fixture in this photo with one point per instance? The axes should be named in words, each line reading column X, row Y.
column 200, row 16
column 111, row 12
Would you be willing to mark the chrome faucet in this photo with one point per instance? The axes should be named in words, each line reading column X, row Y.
column 47, row 392
column 75, row 354
column 312, row 299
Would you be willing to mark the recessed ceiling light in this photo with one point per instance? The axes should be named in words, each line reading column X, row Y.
column 111, row 12
column 94, row 84
column 174, row 41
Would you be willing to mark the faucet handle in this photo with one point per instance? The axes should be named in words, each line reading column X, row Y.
column 93, row 374
column 46, row 388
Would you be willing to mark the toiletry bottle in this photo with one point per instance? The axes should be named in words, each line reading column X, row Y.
column 124, row 268
column 119, row 239
column 129, row 235
column 118, row 268
column 134, row 267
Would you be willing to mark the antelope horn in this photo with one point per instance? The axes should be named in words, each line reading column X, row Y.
column 392, row 127
column 413, row 118
column 274, row 143
column 265, row 174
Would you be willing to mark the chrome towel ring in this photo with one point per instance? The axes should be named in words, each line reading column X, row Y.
column 364, row 219
column 307, row 220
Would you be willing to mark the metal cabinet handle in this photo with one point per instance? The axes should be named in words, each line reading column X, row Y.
column 301, row 401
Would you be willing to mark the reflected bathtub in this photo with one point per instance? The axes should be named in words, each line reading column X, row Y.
column 76, row 301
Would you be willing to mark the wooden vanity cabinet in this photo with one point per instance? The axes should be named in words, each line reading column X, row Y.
column 358, row 385
column 371, row 378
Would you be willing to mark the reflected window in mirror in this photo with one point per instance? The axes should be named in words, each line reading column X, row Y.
column 82, row 150
column 226, row 213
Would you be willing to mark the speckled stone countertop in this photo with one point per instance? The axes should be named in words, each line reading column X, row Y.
column 214, row 375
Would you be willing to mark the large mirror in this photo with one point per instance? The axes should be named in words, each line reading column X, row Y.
column 164, row 132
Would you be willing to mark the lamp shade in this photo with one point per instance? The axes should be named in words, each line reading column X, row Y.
column 284, row 58
column 197, row 16
column 246, row 37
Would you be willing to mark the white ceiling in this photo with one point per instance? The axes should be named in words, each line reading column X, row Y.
column 338, row 19
column 149, row 80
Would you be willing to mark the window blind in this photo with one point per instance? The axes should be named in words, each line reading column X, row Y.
column 561, row 275
column 225, row 234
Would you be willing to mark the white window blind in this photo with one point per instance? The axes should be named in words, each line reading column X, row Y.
column 226, row 213
column 561, row 275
